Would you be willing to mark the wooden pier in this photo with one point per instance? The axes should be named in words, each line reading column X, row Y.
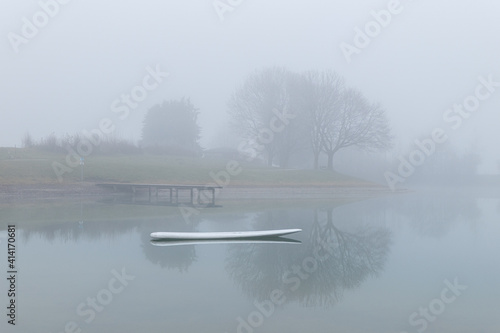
column 153, row 190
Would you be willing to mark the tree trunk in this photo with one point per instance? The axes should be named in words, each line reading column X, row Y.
column 330, row 160
column 270, row 157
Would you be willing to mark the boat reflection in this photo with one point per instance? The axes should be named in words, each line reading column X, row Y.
column 263, row 240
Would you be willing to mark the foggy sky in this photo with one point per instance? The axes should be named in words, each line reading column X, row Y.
column 426, row 59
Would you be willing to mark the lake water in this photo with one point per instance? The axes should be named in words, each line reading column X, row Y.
column 419, row 262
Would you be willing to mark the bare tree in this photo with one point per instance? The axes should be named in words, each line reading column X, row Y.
column 355, row 123
column 327, row 116
column 321, row 98
column 255, row 107
column 293, row 139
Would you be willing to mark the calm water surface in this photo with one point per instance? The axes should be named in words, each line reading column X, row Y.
column 410, row 263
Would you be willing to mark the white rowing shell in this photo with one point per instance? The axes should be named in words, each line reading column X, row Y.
column 223, row 235
column 265, row 240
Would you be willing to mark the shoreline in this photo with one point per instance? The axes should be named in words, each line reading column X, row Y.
column 36, row 192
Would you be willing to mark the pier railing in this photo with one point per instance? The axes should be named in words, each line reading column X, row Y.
column 153, row 190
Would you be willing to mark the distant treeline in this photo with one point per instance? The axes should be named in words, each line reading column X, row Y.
column 108, row 144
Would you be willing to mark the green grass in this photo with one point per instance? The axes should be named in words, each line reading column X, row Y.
column 31, row 166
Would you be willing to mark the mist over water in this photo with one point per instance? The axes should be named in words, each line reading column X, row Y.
column 377, row 260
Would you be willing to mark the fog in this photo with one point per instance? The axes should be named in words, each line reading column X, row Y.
column 428, row 57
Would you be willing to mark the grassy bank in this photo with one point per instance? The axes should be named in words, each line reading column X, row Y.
column 31, row 166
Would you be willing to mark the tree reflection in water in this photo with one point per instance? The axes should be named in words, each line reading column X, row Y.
column 174, row 257
column 317, row 272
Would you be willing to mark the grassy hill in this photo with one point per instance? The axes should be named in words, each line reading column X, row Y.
column 32, row 166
